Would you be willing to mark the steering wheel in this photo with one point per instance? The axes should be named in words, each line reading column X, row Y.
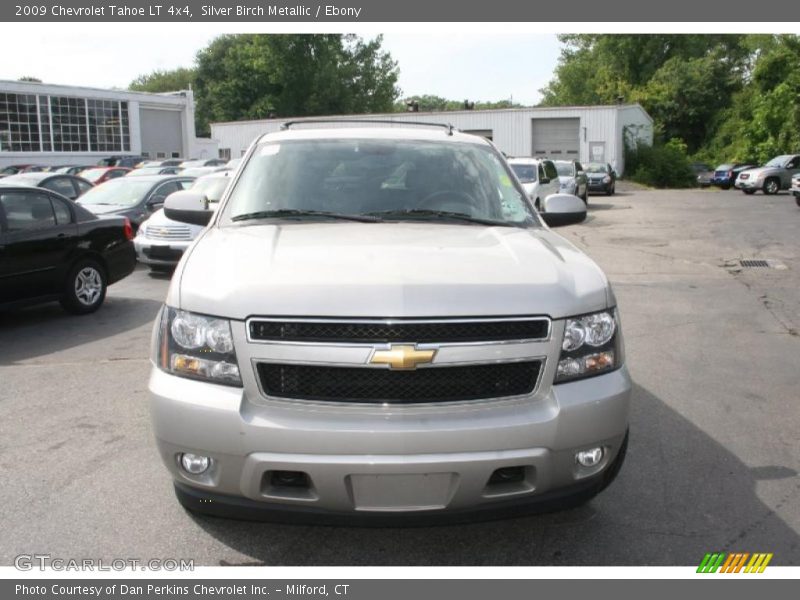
column 458, row 199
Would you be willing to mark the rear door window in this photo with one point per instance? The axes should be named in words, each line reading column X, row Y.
column 27, row 211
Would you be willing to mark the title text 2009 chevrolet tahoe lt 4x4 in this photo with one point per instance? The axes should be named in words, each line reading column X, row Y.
column 376, row 323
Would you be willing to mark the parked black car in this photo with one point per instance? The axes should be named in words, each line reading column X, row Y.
column 133, row 197
column 602, row 178
column 725, row 174
column 124, row 160
column 69, row 186
column 52, row 249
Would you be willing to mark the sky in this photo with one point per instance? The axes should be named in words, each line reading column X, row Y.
column 459, row 66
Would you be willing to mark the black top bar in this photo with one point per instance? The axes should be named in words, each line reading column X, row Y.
column 288, row 124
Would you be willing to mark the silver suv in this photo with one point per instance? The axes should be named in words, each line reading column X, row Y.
column 377, row 324
column 773, row 177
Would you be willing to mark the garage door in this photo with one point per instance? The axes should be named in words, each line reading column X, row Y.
column 162, row 133
column 556, row 138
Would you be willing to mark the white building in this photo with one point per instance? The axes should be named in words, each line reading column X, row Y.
column 48, row 124
column 584, row 133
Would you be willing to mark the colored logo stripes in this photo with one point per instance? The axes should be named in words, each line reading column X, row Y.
column 735, row 562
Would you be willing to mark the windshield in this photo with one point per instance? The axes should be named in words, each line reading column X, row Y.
column 778, row 161
column 122, row 192
column 26, row 178
column 565, row 168
column 596, row 168
column 93, row 174
column 212, row 187
column 145, row 171
column 392, row 179
column 525, row 173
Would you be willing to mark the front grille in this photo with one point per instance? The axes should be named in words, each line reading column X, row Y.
column 372, row 385
column 168, row 232
column 388, row 331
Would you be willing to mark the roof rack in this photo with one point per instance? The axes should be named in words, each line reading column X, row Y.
column 288, row 124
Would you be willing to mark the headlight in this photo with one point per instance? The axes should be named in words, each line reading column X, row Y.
column 591, row 345
column 196, row 346
column 607, row 179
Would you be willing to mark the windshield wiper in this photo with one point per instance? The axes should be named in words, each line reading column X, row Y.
column 297, row 212
column 444, row 214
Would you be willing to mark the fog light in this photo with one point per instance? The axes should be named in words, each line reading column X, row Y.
column 194, row 463
column 589, row 458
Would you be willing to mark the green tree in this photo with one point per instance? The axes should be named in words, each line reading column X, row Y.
column 252, row 76
column 431, row 103
column 727, row 96
column 164, row 81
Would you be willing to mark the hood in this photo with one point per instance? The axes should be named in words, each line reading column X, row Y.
column 386, row 270
column 760, row 171
column 159, row 219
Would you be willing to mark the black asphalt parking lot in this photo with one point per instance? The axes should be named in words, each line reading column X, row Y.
column 714, row 455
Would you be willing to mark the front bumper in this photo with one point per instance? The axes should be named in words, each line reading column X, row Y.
column 387, row 461
column 159, row 252
column 795, row 189
column 749, row 184
column 599, row 186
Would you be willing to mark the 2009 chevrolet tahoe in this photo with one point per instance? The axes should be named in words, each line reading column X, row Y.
column 377, row 323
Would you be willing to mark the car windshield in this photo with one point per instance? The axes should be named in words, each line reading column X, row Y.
column 93, row 174
column 565, row 168
column 778, row 161
column 525, row 173
column 212, row 187
column 145, row 171
column 122, row 192
column 26, row 178
column 596, row 168
column 387, row 179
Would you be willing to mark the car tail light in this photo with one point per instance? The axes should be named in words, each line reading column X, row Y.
column 128, row 229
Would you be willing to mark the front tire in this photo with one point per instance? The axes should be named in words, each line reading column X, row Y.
column 85, row 288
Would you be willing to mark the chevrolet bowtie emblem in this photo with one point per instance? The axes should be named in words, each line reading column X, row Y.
column 402, row 357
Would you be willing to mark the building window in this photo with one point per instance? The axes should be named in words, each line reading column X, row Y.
column 225, row 153
column 161, row 155
column 69, row 124
column 105, row 125
column 19, row 123
column 31, row 123
column 176, row 155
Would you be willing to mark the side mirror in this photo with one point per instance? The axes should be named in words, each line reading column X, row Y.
column 563, row 209
column 155, row 201
column 188, row 207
